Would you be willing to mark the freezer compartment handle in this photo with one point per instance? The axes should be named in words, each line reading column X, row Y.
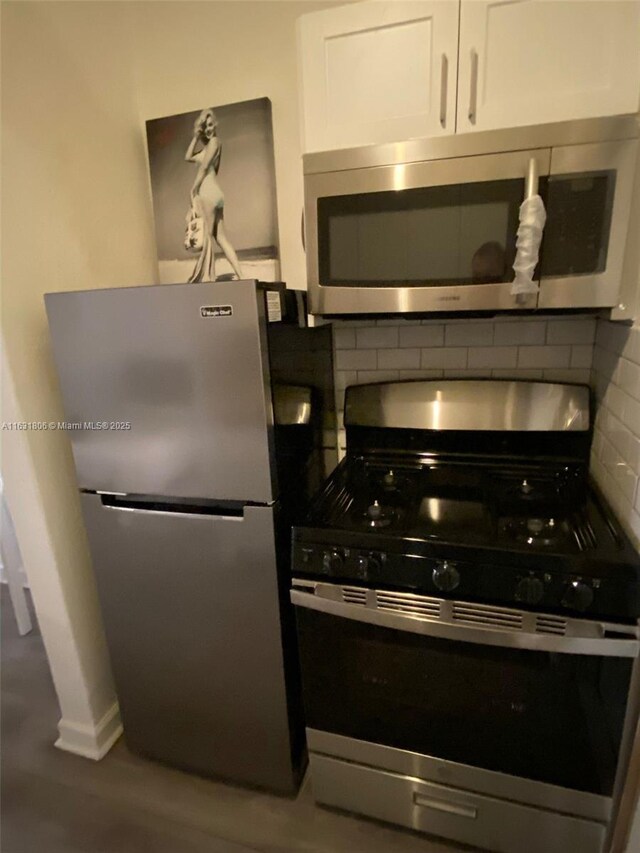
column 224, row 510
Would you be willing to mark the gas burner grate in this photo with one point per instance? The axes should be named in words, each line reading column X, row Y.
column 584, row 534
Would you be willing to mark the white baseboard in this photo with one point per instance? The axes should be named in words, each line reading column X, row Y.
column 91, row 741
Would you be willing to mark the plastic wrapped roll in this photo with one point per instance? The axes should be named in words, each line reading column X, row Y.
column 532, row 219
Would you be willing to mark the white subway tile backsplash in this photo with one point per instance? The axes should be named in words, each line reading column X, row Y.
column 616, row 456
column 399, row 358
column 466, row 373
column 469, row 334
column 444, row 357
column 581, row 356
column 632, row 347
column 523, row 333
column 422, row 336
column 568, row 374
column 628, row 377
column 596, row 444
column 366, row 376
column 632, row 451
column 421, row 374
column 344, row 338
column 606, row 363
column 617, row 435
column 627, row 481
column 630, row 415
column 356, row 359
column 344, row 378
column 613, row 400
column 377, row 337
column 517, row 373
column 580, row 331
column 611, row 336
column 546, row 356
column 490, row 357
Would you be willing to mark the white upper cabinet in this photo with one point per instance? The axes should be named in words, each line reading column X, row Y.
column 534, row 61
column 378, row 72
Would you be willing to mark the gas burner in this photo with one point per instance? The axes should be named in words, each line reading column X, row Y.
column 526, row 488
column 537, row 532
column 379, row 515
column 389, row 479
column 531, row 489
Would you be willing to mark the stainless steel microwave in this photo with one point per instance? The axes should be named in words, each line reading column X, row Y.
column 429, row 225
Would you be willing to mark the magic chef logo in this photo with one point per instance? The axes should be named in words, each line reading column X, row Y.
column 216, row 311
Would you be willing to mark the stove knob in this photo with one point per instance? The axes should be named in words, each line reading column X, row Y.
column 368, row 563
column 332, row 562
column 530, row 591
column 446, row 577
column 577, row 596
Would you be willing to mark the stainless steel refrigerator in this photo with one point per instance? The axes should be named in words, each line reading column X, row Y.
column 189, row 484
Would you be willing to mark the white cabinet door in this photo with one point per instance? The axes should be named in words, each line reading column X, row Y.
column 535, row 61
column 378, row 72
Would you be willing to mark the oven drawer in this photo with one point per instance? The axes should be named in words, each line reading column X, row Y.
column 497, row 825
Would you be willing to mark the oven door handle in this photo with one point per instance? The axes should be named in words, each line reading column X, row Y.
column 525, row 640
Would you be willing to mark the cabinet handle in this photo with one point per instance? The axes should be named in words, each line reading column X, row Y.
column 444, row 80
column 473, row 94
column 302, row 231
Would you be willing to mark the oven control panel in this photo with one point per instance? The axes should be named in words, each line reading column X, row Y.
column 337, row 562
column 508, row 585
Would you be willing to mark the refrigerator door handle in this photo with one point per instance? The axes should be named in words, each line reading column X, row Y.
column 173, row 510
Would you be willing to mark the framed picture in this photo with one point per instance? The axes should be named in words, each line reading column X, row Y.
column 214, row 193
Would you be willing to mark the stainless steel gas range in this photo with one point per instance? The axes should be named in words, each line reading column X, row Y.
column 467, row 613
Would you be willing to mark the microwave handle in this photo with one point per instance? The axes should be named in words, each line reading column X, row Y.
column 523, row 640
column 531, row 181
column 531, row 186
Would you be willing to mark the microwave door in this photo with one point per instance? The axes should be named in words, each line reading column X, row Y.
column 588, row 204
column 434, row 235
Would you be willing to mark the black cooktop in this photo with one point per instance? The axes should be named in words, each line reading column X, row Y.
column 506, row 530
column 492, row 504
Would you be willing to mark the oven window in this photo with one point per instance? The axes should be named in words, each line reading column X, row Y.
column 576, row 233
column 433, row 236
column 548, row 717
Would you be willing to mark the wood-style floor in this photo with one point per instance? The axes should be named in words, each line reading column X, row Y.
column 54, row 802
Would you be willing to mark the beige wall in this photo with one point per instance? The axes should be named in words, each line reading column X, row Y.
column 79, row 79
column 189, row 55
column 75, row 215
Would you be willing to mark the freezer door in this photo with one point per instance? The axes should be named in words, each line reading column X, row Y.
column 192, row 618
column 186, row 367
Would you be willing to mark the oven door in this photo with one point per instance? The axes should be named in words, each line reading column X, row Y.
column 437, row 235
column 456, row 683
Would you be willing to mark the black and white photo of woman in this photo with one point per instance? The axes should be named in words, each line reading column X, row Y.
column 213, row 186
column 207, row 198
